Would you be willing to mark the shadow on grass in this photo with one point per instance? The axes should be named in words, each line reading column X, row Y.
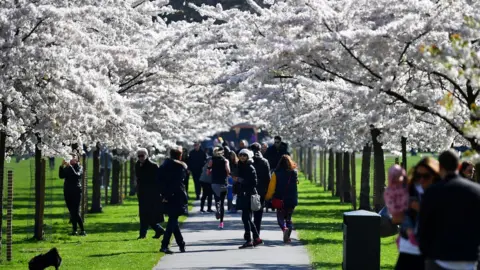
column 119, row 253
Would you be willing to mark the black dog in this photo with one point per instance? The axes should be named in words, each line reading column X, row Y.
column 42, row 261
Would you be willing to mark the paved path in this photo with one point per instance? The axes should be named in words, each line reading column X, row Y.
column 211, row 248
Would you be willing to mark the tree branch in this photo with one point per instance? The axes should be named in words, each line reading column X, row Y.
column 33, row 29
column 353, row 55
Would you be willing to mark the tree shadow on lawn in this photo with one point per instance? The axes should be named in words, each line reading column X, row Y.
column 121, row 253
column 316, row 213
column 319, row 226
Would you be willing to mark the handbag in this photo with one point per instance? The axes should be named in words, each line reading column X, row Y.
column 255, row 202
column 387, row 227
column 277, row 203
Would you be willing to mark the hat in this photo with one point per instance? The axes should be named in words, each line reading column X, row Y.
column 246, row 152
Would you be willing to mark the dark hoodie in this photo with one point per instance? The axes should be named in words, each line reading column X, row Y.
column 171, row 175
column 274, row 154
column 247, row 178
column 263, row 173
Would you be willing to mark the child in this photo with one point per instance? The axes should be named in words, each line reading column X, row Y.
column 396, row 194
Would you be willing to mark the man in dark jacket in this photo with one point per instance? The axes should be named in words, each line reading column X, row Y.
column 196, row 161
column 448, row 223
column 171, row 175
column 275, row 152
column 148, row 193
column 263, row 177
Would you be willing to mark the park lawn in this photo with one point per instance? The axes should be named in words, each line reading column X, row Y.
column 318, row 219
column 111, row 236
column 389, row 161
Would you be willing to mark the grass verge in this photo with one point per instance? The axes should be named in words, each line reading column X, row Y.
column 111, row 241
column 318, row 220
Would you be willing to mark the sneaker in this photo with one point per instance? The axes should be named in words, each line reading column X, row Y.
column 257, row 242
column 83, row 233
column 247, row 244
column 141, row 237
column 202, row 211
column 220, row 226
column 166, row 251
column 158, row 233
column 73, row 233
column 210, row 211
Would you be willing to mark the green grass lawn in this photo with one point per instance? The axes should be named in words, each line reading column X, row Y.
column 318, row 220
column 111, row 241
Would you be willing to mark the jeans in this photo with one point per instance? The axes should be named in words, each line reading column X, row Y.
column 284, row 218
column 249, row 226
column 73, row 200
column 196, row 181
column 206, row 195
column 172, row 228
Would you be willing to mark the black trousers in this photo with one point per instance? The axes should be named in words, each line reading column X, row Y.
column 410, row 262
column 249, row 226
column 150, row 216
column 220, row 204
column 196, row 182
column 258, row 215
column 172, row 228
column 73, row 200
column 206, row 195
column 185, row 182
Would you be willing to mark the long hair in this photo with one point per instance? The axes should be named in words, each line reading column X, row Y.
column 286, row 163
column 233, row 158
column 430, row 164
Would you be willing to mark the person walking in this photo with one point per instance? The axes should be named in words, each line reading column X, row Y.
column 72, row 172
column 171, row 176
column 196, row 160
column 425, row 173
column 283, row 192
column 247, row 179
column 148, row 190
column 276, row 151
column 448, row 224
column 231, row 194
column 263, row 176
column 219, row 169
column 206, row 185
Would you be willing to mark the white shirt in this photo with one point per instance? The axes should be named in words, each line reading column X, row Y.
column 457, row 265
column 406, row 247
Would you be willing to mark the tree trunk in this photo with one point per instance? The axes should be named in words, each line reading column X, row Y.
column 96, row 183
column 3, row 139
column 346, row 186
column 84, row 205
column 115, row 182
column 365, row 179
column 353, row 169
column 379, row 171
column 310, row 163
column 106, row 177
column 331, row 169
column 324, row 164
column 315, row 166
column 133, row 184
column 300, row 159
column 339, row 176
column 404, row 153
column 125, row 179
column 39, row 191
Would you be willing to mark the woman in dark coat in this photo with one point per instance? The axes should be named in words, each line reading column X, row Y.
column 171, row 175
column 283, row 186
column 247, row 179
column 72, row 191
